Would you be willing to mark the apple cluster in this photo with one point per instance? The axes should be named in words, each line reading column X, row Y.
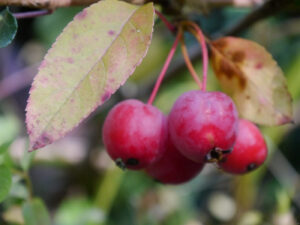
column 201, row 127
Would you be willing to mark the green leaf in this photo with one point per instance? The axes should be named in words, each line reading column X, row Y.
column 5, row 182
column 35, row 213
column 256, row 83
column 8, row 27
column 93, row 56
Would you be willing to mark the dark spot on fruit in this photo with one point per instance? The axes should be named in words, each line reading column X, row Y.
column 238, row 56
column 247, row 97
column 119, row 162
column 227, row 151
column 215, row 154
column 132, row 162
column 251, row 167
column 220, row 44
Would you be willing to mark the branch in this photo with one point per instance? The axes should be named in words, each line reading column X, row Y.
column 53, row 4
column 32, row 14
column 236, row 3
column 222, row 3
column 270, row 8
column 46, row 4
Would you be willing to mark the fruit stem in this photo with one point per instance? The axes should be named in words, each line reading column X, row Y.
column 164, row 69
column 197, row 32
column 170, row 26
column 188, row 61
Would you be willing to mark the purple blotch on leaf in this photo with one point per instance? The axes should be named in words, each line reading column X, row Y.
column 43, row 64
column 70, row 60
column 111, row 33
column 105, row 96
column 82, row 15
column 44, row 140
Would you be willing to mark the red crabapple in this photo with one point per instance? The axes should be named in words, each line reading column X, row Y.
column 202, row 121
column 249, row 152
column 134, row 134
column 173, row 167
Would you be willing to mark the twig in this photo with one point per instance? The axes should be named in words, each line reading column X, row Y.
column 270, row 8
column 235, row 3
column 46, row 4
column 32, row 14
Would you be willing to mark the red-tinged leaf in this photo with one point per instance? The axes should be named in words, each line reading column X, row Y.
column 93, row 56
column 256, row 83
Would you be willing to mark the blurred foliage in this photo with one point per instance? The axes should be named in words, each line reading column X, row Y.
column 77, row 211
column 76, row 183
column 47, row 28
column 35, row 213
column 8, row 27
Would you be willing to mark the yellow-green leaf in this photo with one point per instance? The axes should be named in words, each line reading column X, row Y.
column 93, row 56
column 256, row 83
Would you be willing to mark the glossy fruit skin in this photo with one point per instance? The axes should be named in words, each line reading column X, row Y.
column 201, row 121
column 249, row 152
column 173, row 167
column 134, row 133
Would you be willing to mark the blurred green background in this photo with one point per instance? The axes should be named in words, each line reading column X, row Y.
column 74, row 182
